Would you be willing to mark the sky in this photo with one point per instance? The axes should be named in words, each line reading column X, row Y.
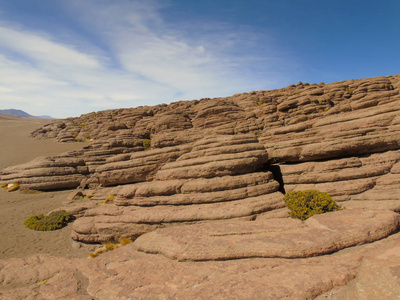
column 65, row 58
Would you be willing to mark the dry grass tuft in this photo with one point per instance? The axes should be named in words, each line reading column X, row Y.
column 29, row 191
column 109, row 246
column 12, row 187
column 125, row 241
column 110, row 198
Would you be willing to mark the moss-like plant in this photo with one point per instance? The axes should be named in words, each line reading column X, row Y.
column 147, row 144
column 54, row 221
column 304, row 204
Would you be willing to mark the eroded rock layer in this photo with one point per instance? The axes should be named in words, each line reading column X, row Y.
column 299, row 123
column 369, row 271
column 204, row 203
column 282, row 238
column 221, row 177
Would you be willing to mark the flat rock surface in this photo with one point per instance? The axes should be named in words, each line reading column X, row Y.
column 284, row 238
column 378, row 276
column 126, row 273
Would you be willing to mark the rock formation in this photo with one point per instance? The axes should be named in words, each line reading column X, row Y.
column 205, row 204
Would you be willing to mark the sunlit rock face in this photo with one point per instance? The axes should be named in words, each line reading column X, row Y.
column 204, row 202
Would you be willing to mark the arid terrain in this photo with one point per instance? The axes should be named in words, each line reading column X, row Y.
column 198, row 187
column 18, row 147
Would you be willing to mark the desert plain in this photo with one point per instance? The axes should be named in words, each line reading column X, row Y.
column 18, row 147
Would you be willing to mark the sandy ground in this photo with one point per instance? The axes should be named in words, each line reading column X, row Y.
column 16, row 147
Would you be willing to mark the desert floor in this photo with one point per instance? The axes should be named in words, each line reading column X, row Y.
column 17, row 147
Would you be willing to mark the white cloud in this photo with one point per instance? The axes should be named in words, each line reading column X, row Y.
column 137, row 59
column 42, row 49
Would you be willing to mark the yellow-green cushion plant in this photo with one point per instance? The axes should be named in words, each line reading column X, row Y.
column 147, row 144
column 54, row 221
column 304, row 204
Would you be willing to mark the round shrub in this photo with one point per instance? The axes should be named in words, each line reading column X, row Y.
column 54, row 221
column 304, row 204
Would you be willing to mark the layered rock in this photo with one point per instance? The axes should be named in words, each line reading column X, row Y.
column 205, row 205
column 371, row 177
column 358, row 132
column 282, row 238
column 48, row 173
column 222, row 177
column 138, row 167
column 299, row 123
column 127, row 273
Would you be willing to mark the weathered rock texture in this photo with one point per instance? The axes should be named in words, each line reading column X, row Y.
column 370, row 271
column 282, row 238
column 205, row 204
column 222, row 177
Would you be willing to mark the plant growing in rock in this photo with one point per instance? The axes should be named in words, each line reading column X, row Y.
column 304, row 204
column 10, row 187
column 108, row 246
column 55, row 220
column 110, row 198
column 147, row 144
column 350, row 90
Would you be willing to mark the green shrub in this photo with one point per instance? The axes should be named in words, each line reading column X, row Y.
column 304, row 204
column 147, row 144
column 54, row 221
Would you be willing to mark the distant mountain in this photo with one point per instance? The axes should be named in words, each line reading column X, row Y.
column 44, row 117
column 21, row 113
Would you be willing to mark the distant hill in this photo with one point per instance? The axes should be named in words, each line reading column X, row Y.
column 21, row 113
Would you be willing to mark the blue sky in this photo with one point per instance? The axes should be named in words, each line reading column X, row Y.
column 69, row 57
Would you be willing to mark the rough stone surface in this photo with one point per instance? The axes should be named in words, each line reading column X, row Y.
column 127, row 274
column 206, row 204
column 42, row 277
column 356, row 178
column 378, row 275
column 214, row 180
column 321, row 234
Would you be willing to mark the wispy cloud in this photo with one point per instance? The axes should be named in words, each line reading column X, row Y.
column 128, row 56
column 43, row 50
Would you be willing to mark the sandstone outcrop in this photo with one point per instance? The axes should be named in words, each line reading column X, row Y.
column 126, row 273
column 205, row 204
column 222, row 177
column 281, row 238
column 299, row 123
column 368, row 177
